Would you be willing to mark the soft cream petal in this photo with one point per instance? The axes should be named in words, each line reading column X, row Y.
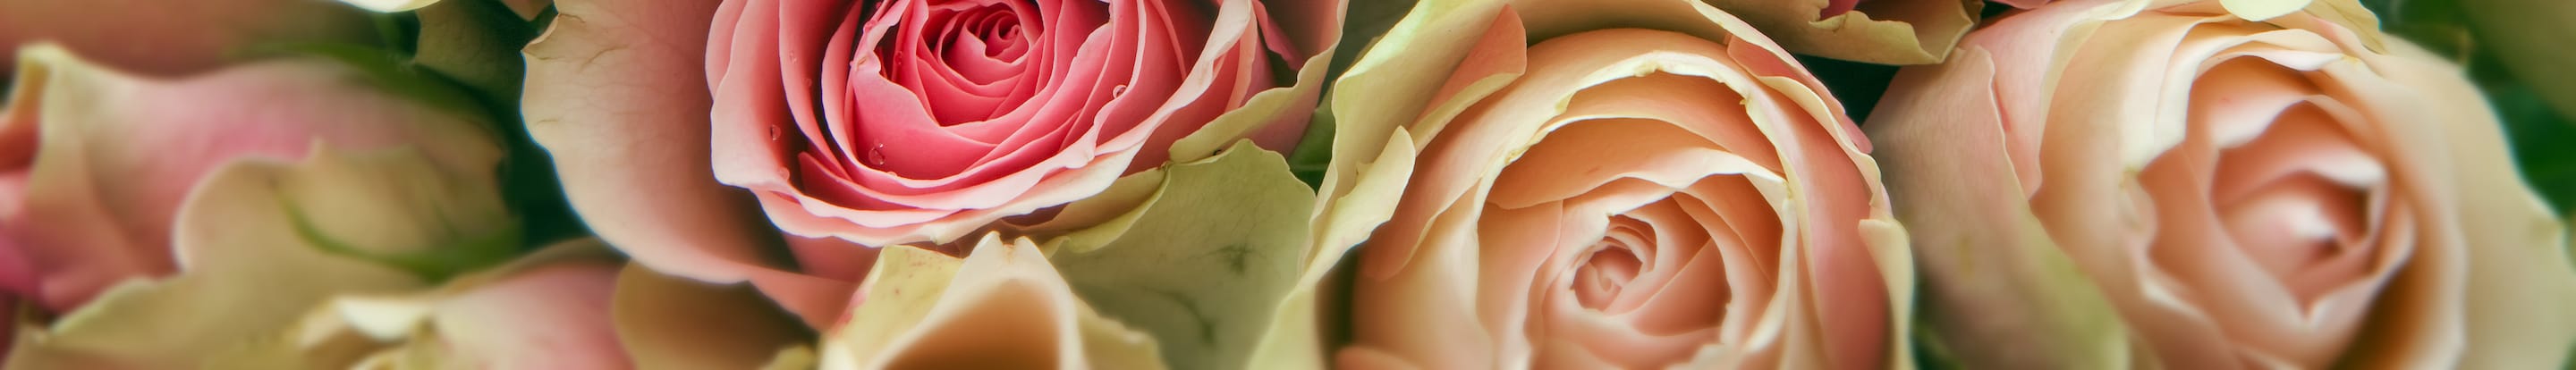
column 2520, row 282
column 1013, row 310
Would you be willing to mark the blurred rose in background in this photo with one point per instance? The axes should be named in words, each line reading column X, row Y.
column 2111, row 183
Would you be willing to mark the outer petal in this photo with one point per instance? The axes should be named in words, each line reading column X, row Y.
column 1210, row 296
column 1990, row 273
column 2520, row 282
column 617, row 94
column 1012, row 311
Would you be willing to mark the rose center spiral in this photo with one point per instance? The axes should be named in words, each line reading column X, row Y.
column 1610, row 268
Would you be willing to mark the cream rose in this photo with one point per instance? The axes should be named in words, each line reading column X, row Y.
column 1573, row 196
column 2108, row 183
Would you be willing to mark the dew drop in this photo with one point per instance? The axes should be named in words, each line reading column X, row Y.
column 876, row 155
column 773, row 133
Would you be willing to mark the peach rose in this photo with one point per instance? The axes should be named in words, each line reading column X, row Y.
column 2116, row 183
column 1677, row 195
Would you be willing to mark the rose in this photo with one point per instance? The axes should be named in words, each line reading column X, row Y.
column 920, row 121
column 620, row 95
column 169, row 38
column 96, row 164
column 167, row 220
column 2105, row 183
column 1677, row 196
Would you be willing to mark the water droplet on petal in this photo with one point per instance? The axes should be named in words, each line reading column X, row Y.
column 876, row 155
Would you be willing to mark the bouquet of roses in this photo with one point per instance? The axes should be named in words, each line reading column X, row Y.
column 1286, row 184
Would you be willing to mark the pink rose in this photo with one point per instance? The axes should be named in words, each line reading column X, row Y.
column 863, row 124
column 921, row 121
column 96, row 163
column 168, row 38
column 2106, row 183
column 1560, row 195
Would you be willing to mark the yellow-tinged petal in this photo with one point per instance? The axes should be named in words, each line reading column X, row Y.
column 2257, row 10
column 1003, row 306
column 669, row 322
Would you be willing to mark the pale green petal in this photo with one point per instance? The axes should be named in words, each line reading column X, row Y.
column 1208, row 262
